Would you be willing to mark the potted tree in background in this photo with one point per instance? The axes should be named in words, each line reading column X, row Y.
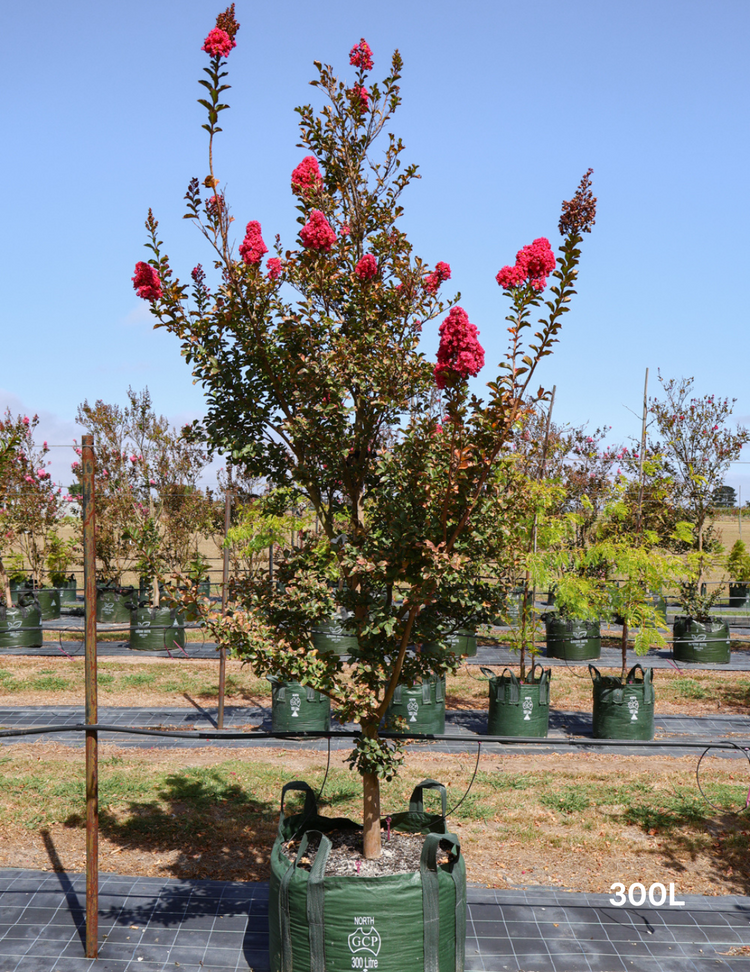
column 35, row 508
column 314, row 379
column 20, row 625
column 738, row 566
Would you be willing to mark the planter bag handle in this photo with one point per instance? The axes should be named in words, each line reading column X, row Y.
column 312, row 695
column 439, row 690
column 511, row 688
column 311, row 804
column 546, row 674
column 314, row 902
column 595, row 674
column 416, row 801
column 648, row 685
column 428, row 870
column 487, row 672
column 396, row 699
column 426, row 692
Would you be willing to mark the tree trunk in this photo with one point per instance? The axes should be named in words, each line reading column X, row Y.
column 624, row 646
column 5, row 583
column 371, row 837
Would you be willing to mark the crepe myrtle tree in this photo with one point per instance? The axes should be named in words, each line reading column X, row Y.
column 315, row 382
column 698, row 444
column 34, row 503
column 12, row 433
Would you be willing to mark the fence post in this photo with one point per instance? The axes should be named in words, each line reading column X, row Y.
column 92, row 755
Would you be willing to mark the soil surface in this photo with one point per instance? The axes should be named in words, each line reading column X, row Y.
column 401, row 854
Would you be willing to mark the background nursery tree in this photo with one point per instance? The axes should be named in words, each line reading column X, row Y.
column 34, row 503
column 315, row 381
column 698, row 446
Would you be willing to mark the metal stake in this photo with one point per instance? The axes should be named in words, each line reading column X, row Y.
column 92, row 755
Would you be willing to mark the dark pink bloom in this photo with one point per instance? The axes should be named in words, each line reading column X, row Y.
column 367, row 268
column 146, row 282
column 509, row 277
column 433, row 280
column 214, row 206
column 361, row 56
column 460, row 354
column 218, row 43
column 359, row 97
column 539, row 261
column 306, row 178
column 252, row 247
column 317, row 234
column 274, row 268
column 345, row 229
column 533, row 264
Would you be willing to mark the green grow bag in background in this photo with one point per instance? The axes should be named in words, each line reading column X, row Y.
column 623, row 711
column 114, row 604
column 413, row 922
column 699, row 641
column 519, row 708
column 298, row 708
column 423, row 706
column 739, row 595
column 460, row 642
column 21, row 627
column 49, row 602
column 156, row 629
column 68, row 590
column 514, row 604
column 332, row 636
column 573, row 640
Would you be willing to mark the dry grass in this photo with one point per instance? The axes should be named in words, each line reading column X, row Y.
column 574, row 821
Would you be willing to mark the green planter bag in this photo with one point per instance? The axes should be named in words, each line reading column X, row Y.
column 514, row 605
column 519, row 708
column 422, row 707
column 298, row 708
column 414, row 922
column 739, row 595
column 461, row 642
column 699, row 641
column 114, row 604
column 21, row 627
column 68, row 590
column 573, row 640
column 49, row 602
column 156, row 629
column 333, row 636
column 623, row 711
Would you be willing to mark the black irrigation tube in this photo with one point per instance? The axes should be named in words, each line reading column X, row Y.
column 228, row 734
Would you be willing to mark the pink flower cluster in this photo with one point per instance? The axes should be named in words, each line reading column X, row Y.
column 361, row 55
column 359, row 97
column 533, row 264
column 306, row 178
column 317, row 233
column 460, row 354
column 433, row 280
column 146, row 282
column 274, row 268
column 252, row 247
column 367, row 267
column 218, row 43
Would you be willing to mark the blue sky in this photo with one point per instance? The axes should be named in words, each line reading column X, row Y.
column 505, row 106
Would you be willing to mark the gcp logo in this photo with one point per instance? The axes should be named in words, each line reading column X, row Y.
column 365, row 938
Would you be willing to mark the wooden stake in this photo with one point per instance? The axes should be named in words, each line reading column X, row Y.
column 92, row 754
column 225, row 594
